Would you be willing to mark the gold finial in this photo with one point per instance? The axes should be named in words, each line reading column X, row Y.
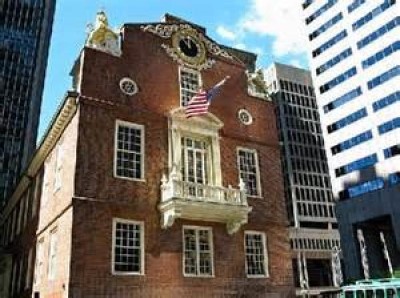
column 101, row 36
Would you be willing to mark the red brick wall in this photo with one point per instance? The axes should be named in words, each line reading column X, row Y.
column 100, row 197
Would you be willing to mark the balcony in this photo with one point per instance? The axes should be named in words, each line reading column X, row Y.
column 187, row 200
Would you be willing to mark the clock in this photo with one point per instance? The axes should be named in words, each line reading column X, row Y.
column 189, row 47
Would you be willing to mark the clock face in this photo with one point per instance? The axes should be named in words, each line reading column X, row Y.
column 189, row 47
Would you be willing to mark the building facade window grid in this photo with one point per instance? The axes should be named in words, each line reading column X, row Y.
column 326, row 26
column 334, row 61
column 320, row 11
column 352, row 142
column 342, row 100
column 354, row 5
column 386, row 52
column 338, row 80
column 198, row 252
column 389, row 125
column 353, row 117
column 362, row 188
column 256, row 254
column 372, row 14
column 129, row 150
column 249, row 170
column 378, row 33
column 330, row 43
column 384, row 77
column 128, row 247
column 356, row 165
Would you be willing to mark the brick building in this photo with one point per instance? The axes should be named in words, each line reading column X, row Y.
column 136, row 199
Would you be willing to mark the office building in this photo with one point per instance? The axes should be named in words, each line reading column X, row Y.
column 25, row 29
column 138, row 200
column 311, row 209
column 354, row 52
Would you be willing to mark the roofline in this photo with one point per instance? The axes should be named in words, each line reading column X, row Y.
column 59, row 122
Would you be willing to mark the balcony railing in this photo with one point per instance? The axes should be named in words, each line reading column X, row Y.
column 188, row 200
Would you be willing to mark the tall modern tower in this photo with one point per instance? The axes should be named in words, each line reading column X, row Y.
column 25, row 29
column 354, row 49
column 313, row 233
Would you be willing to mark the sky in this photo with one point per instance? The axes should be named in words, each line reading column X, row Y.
column 272, row 29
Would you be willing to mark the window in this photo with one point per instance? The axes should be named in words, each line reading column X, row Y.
column 189, row 83
column 53, row 254
column 335, row 60
column 360, row 189
column 326, row 26
column 389, row 126
column 392, row 151
column 321, row 10
column 378, row 33
column 353, row 117
column 256, row 256
column 342, row 99
column 330, row 43
column 128, row 247
column 352, row 142
column 129, row 151
column 198, row 251
column 195, row 163
column 372, row 14
column 359, row 164
column 58, row 166
column 338, row 80
column 356, row 4
column 386, row 101
column 39, row 261
column 384, row 77
column 249, row 170
column 394, row 178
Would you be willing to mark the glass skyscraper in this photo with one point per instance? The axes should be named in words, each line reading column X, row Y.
column 355, row 66
column 25, row 30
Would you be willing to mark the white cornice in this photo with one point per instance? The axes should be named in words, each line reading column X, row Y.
column 60, row 121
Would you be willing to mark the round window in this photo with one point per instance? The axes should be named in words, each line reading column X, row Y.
column 245, row 117
column 128, row 86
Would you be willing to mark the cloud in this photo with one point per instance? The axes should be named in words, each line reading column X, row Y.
column 282, row 20
column 296, row 63
column 226, row 33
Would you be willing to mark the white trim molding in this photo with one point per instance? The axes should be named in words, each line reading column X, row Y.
column 265, row 254
column 141, row 128
column 206, row 201
column 142, row 246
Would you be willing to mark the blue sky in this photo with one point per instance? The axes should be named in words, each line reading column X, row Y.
column 269, row 28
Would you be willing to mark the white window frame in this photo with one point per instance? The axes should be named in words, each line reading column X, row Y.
column 265, row 251
column 258, row 179
column 142, row 248
column 142, row 147
column 199, row 82
column 58, row 166
column 52, row 261
column 197, row 228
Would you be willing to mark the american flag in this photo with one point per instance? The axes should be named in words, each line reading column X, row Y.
column 199, row 103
